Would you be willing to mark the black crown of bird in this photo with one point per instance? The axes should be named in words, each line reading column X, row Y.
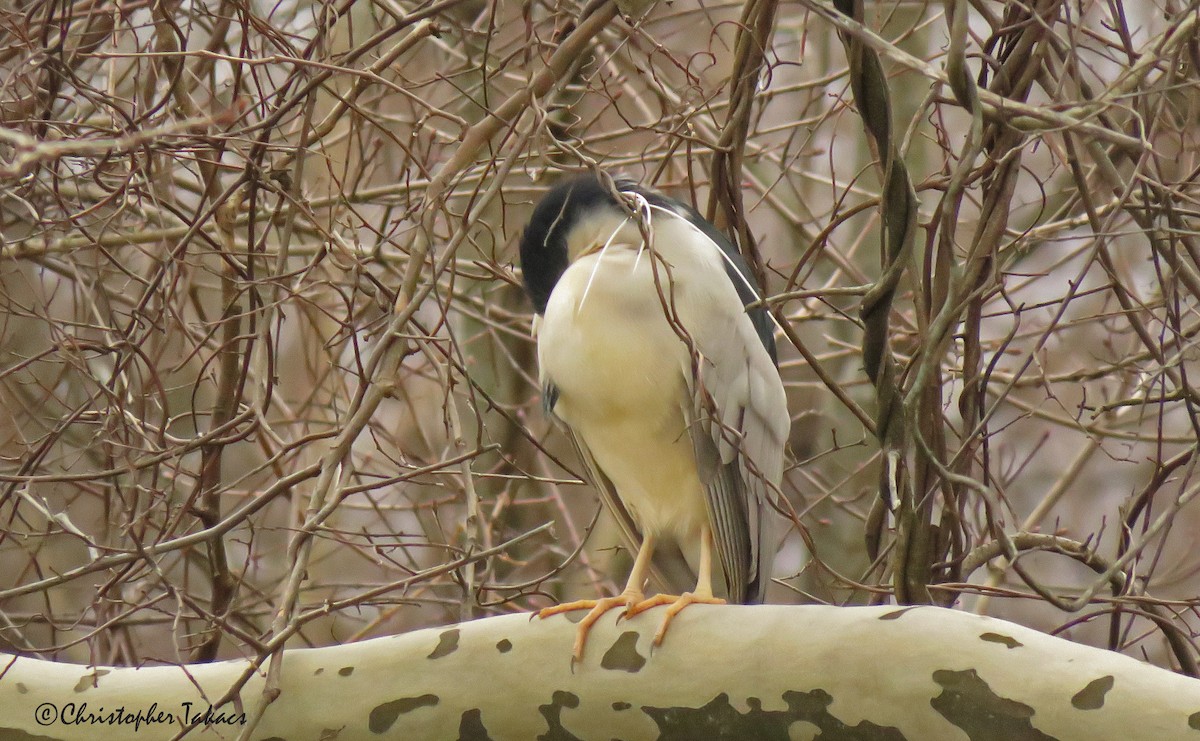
column 657, row 358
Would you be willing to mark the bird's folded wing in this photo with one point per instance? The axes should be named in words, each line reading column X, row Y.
column 738, row 421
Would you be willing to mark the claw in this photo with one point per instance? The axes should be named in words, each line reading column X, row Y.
column 596, row 609
column 635, row 601
column 677, row 605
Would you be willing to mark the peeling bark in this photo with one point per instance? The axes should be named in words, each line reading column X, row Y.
column 733, row 672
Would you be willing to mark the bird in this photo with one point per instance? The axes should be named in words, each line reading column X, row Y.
column 657, row 356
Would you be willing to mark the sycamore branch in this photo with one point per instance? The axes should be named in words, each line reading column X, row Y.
column 723, row 672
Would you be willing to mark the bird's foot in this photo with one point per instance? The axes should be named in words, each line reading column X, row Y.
column 677, row 603
column 596, row 608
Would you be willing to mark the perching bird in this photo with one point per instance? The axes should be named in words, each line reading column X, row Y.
column 666, row 382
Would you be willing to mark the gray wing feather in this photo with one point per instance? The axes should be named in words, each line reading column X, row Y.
column 739, row 425
column 728, row 515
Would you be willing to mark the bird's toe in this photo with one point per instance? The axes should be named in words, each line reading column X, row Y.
column 676, row 607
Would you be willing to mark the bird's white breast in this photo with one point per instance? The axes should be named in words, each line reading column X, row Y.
column 606, row 344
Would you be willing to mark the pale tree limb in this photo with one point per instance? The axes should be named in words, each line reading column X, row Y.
column 762, row 672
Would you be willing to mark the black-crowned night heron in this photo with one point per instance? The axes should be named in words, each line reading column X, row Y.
column 666, row 382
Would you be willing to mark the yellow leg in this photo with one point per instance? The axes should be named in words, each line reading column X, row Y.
column 632, row 595
column 702, row 594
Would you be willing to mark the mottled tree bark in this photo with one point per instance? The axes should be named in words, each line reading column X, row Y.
column 760, row 672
